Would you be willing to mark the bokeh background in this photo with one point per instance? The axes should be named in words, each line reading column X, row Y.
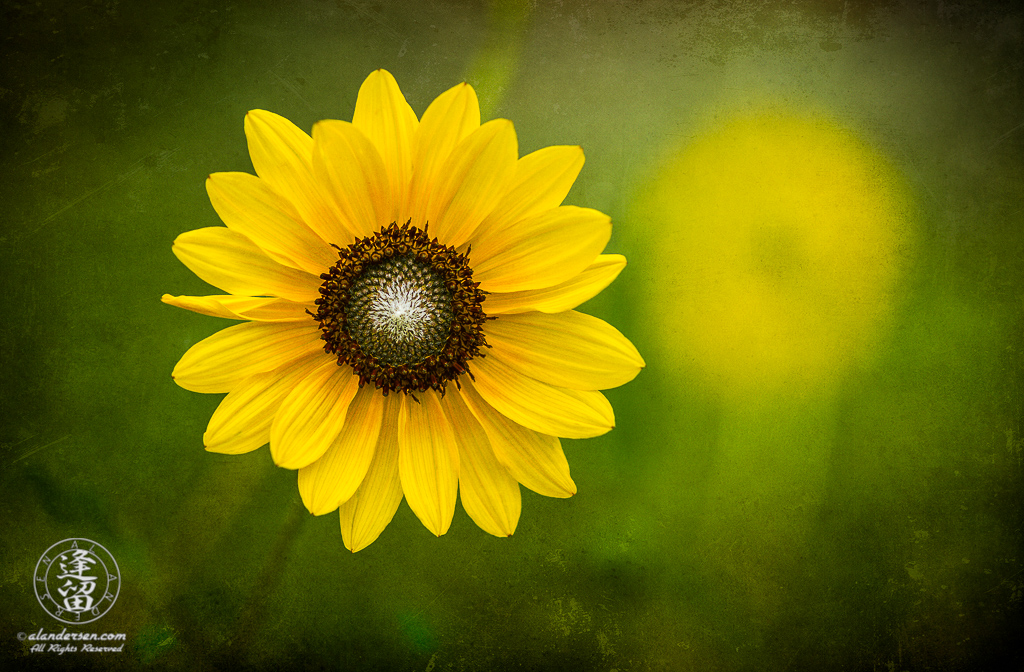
column 822, row 204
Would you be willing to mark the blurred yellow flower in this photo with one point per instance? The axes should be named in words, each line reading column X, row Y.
column 399, row 255
column 780, row 239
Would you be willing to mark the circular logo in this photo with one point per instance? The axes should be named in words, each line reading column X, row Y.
column 77, row 581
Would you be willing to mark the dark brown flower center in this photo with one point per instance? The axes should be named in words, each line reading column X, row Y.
column 402, row 311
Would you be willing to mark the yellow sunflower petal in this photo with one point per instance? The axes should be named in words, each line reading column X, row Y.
column 541, row 251
column 563, row 296
column 228, row 260
column 385, row 117
column 256, row 308
column 535, row 460
column 542, row 181
column 247, row 205
column 242, row 421
column 219, row 362
column 567, row 349
column 428, row 461
column 333, row 478
column 352, row 173
column 489, row 493
column 472, row 181
column 451, row 117
column 365, row 515
column 312, row 415
column 282, row 155
column 573, row 414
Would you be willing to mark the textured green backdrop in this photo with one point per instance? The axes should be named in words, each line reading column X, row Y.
column 873, row 522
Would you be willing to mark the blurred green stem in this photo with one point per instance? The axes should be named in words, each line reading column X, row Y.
column 766, row 492
column 263, row 589
column 495, row 64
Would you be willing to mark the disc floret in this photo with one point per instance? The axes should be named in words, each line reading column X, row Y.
column 402, row 310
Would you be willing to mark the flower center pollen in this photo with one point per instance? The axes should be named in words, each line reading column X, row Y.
column 402, row 310
column 399, row 311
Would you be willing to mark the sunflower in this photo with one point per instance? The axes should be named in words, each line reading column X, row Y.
column 406, row 291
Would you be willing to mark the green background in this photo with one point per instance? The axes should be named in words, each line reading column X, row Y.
column 875, row 526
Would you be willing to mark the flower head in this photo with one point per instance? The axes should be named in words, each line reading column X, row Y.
column 406, row 290
column 791, row 246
